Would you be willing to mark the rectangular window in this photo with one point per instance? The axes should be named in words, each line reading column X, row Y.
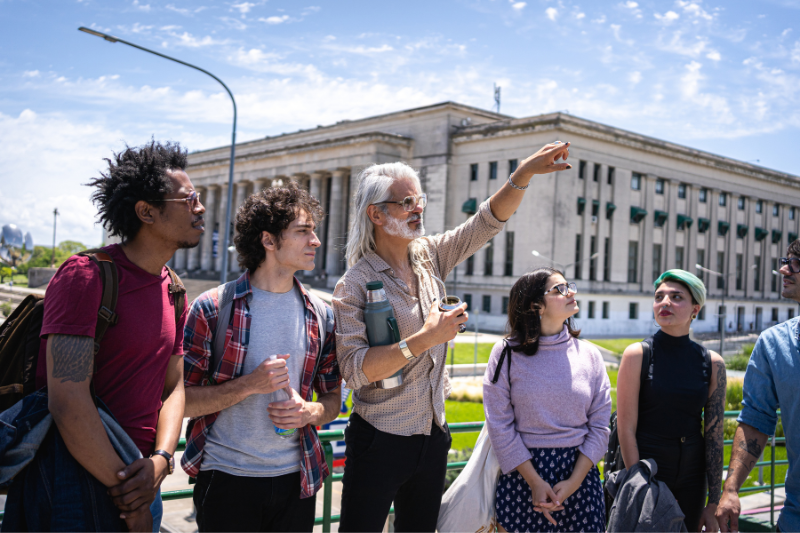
column 679, row 257
column 721, row 269
column 656, row 261
column 487, row 304
column 492, row 170
column 740, row 203
column 702, row 196
column 682, row 190
column 721, row 317
column 776, row 210
column 582, row 170
column 610, row 178
column 607, row 260
column 636, row 181
column 633, row 311
column 739, row 273
column 505, row 305
column 578, row 314
column 468, row 301
column 723, row 199
column 592, row 260
column 757, row 273
column 591, row 309
column 789, row 314
column 470, row 265
column 508, row 270
column 701, row 260
column 759, row 207
column 775, row 314
column 512, row 165
column 702, row 314
column 774, row 284
column 633, row 261
column 488, row 259
column 606, row 309
column 791, row 213
column 596, row 173
column 578, row 257
column 659, row 186
column 473, row 172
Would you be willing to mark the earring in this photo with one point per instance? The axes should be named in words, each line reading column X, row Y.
column 694, row 316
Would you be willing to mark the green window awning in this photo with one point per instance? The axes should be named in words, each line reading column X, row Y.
column 723, row 227
column 595, row 207
column 610, row 208
column 703, row 224
column 761, row 234
column 741, row 230
column 660, row 217
column 581, row 205
column 792, row 237
column 637, row 214
column 684, row 222
column 776, row 236
column 470, row 207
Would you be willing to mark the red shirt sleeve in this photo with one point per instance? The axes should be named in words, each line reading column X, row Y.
column 73, row 299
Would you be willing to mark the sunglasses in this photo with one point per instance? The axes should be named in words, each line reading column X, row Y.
column 193, row 200
column 793, row 262
column 409, row 203
column 564, row 288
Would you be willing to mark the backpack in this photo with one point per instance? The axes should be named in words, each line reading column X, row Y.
column 20, row 338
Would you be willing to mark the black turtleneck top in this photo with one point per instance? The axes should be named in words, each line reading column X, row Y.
column 671, row 404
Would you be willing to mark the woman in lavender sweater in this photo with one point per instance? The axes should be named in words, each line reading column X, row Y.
column 547, row 413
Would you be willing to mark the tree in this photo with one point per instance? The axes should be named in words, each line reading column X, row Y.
column 6, row 272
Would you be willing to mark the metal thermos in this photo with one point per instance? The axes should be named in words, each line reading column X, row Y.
column 382, row 327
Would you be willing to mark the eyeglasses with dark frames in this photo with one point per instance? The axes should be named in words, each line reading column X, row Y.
column 793, row 262
column 564, row 288
column 193, row 200
column 409, row 203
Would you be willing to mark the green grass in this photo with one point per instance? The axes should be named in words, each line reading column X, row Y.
column 465, row 353
column 616, row 346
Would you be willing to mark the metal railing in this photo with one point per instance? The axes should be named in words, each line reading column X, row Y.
column 329, row 436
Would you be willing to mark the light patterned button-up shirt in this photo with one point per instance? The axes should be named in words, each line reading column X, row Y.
column 412, row 407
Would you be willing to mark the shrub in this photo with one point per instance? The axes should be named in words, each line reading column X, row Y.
column 733, row 395
column 5, row 308
column 738, row 362
column 454, row 457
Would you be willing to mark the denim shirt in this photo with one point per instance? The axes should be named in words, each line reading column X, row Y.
column 770, row 383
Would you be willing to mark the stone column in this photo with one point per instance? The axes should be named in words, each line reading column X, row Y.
column 207, row 257
column 241, row 194
column 602, row 228
column 647, row 225
column 712, row 198
column 691, row 237
column 336, row 234
column 750, row 245
column 730, row 240
column 620, row 225
column 315, row 186
column 770, row 223
column 179, row 259
column 670, row 226
column 587, row 229
column 223, row 204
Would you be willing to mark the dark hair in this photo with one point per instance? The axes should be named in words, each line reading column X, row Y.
column 133, row 175
column 527, row 296
column 794, row 248
column 270, row 210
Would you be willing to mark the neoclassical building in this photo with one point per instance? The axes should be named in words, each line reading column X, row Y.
column 631, row 207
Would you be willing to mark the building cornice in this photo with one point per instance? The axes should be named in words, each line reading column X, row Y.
column 570, row 124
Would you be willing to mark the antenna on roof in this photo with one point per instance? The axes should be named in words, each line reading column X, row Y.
column 497, row 97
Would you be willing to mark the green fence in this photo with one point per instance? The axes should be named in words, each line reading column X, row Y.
column 329, row 436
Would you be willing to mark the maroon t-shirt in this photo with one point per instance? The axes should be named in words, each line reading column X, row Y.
column 134, row 353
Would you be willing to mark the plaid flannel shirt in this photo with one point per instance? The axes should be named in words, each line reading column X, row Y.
column 321, row 376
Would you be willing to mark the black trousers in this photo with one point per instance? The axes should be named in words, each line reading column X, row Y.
column 682, row 466
column 236, row 503
column 382, row 468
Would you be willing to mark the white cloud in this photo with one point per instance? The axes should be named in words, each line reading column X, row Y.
column 713, row 55
column 635, row 77
column 677, row 45
column 634, row 8
column 141, row 7
column 786, row 32
column 796, row 52
column 190, row 41
column 519, row 6
column 244, row 7
column 31, row 74
column 600, row 20
column 616, row 28
column 694, row 9
column 580, row 15
column 667, row 18
column 275, row 19
column 551, row 13
column 181, row 10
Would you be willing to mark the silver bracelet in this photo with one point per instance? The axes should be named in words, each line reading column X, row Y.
column 511, row 182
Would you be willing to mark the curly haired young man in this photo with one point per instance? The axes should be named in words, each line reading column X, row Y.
column 280, row 349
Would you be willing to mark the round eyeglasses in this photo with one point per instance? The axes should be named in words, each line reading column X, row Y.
column 564, row 288
column 409, row 203
column 793, row 262
column 193, row 200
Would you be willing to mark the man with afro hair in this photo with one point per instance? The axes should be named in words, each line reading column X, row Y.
column 146, row 198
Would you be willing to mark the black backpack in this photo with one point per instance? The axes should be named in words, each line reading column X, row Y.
column 20, row 338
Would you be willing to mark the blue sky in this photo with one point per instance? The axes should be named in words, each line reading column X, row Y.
column 718, row 76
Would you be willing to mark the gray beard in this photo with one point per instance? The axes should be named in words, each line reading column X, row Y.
column 400, row 228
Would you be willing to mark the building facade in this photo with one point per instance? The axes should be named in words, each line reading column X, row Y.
column 631, row 207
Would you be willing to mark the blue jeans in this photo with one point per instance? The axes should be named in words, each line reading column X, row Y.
column 55, row 493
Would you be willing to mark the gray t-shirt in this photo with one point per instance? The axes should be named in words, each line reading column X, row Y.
column 242, row 440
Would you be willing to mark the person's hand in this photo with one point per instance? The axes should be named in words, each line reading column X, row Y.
column 140, row 521
column 545, row 500
column 565, row 489
column 544, row 161
column 708, row 519
column 442, row 327
column 727, row 513
column 137, row 487
column 269, row 376
column 290, row 414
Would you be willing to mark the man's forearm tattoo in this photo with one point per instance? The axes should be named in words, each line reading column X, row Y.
column 714, row 430
column 73, row 357
column 752, row 447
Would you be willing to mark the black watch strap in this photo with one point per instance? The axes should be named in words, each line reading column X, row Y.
column 166, row 455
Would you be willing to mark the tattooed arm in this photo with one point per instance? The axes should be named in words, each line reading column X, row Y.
column 714, row 418
column 748, row 443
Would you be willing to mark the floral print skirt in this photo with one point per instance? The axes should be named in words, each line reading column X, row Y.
column 584, row 510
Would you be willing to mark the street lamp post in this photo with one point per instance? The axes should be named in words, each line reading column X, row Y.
column 112, row 39
column 53, row 256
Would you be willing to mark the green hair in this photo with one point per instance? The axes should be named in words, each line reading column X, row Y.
column 692, row 282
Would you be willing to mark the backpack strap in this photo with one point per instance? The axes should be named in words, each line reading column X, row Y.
column 325, row 320
column 505, row 353
column 647, row 363
column 225, row 294
column 707, row 364
column 106, row 315
column 178, row 291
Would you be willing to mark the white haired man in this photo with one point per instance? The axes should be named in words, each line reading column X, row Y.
column 397, row 439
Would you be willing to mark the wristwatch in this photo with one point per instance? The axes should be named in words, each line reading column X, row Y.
column 406, row 351
column 168, row 457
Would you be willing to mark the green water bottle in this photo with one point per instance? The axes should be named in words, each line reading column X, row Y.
column 382, row 327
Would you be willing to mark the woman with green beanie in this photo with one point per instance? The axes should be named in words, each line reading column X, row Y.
column 661, row 412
